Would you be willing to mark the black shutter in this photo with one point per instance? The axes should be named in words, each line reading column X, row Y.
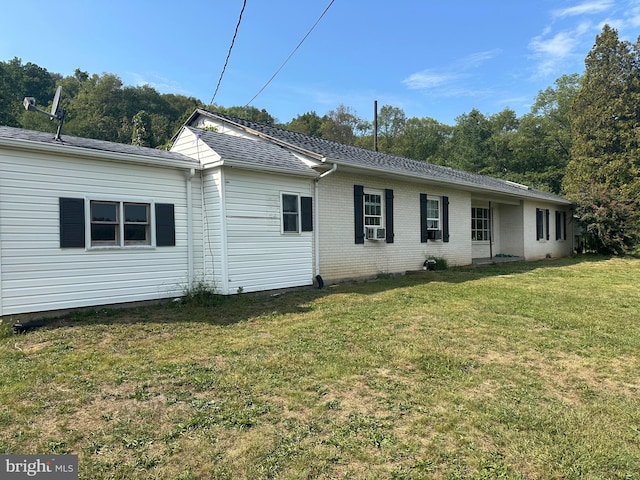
column 358, row 212
column 71, row 223
column 539, row 227
column 558, row 225
column 423, row 218
column 165, row 225
column 564, row 225
column 306, row 204
column 388, row 214
column 445, row 219
column 546, row 213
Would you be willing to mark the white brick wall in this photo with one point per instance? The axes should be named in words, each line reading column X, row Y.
column 342, row 258
column 537, row 249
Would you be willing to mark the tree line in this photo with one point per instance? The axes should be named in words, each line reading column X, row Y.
column 580, row 139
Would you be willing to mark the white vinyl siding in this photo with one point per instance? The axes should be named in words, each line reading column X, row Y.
column 37, row 275
column 259, row 256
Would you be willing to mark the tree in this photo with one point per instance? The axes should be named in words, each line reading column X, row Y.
column 391, row 126
column 18, row 81
column 541, row 147
column 469, row 145
column 610, row 220
column 605, row 119
column 248, row 113
column 308, row 123
column 341, row 125
column 602, row 175
column 142, row 134
column 424, row 139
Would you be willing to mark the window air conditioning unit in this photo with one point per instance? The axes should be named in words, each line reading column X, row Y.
column 434, row 234
column 376, row 233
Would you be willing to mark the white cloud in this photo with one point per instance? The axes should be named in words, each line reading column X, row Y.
column 476, row 59
column 428, row 79
column 586, row 8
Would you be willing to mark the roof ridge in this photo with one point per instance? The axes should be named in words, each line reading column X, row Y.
column 358, row 156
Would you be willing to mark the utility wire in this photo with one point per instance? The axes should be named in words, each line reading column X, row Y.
column 229, row 53
column 291, row 54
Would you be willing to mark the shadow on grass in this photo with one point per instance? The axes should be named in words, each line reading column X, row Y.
column 229, row 310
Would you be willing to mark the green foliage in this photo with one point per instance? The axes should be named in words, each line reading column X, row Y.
column 97, row 106
column 200, row 293
column 605, row 119
column 610, row 220
column 247, row 113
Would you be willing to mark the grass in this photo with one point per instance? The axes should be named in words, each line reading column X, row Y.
column 514, row 371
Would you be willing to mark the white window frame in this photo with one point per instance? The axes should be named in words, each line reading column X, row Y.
column 431, row 219
column 119, row 242
column 298, row 214
column 485, row 229
column 375, row 219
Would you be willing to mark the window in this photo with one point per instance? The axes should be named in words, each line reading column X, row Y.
column 373, row 214
column 542, row 224
column 120, row 223
column 106, row 227
column 561, row 225
column 372, row 210
column 433, row 214
column 434, row 218
column 480, row 224
column 297, row 213
column 290, row 213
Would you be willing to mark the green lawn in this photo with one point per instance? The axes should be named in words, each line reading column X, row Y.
column 523, row 371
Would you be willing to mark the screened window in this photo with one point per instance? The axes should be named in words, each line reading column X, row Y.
column 290, row 213
column 480, row 224
column 372, row 210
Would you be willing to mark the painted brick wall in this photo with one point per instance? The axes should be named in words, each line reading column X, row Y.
column 341, row 258
column 538, row 249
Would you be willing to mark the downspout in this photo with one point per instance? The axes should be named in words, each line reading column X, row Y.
column 490, row 232
column 316, row 220
column 190, row 176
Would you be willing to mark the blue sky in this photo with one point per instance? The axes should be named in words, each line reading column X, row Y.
column 431, row 58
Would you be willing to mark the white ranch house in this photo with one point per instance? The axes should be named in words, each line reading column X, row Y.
column 243, row 207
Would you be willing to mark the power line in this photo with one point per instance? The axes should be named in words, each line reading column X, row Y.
column 244, row 4
column 291, row 54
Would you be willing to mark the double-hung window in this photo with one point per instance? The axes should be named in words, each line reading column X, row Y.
column 372, row 210
column 434, row 218
column 120, row 223
column 480, row 224
column 290, row 213
column 297, row 213
column 433, row 214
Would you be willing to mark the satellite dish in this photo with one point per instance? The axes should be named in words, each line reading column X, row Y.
column 56, row 102
column 56, row 113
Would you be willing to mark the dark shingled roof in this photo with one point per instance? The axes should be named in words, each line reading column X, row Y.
column 256, row 153
column 363, row 158
column 91, row 144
